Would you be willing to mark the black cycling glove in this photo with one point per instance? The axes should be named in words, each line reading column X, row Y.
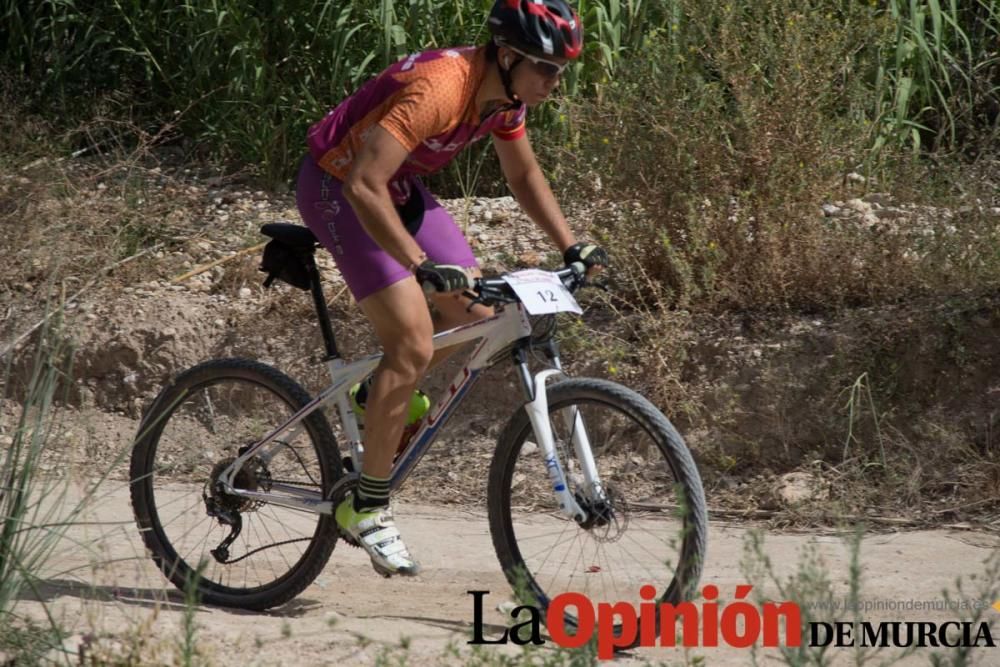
column 588, row 254
column 443, row 277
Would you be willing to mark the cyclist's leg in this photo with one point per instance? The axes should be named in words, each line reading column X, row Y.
column 392, row 309
column 403, row 326
column 387, row 294
column 393, row 301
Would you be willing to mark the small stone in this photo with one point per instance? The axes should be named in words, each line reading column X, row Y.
column 829, row 210
column 855, row 177
column 889, row 213
column 859, row 205
column 797, row 487
column 880, row 198
column 530, row 258
column 245, row 293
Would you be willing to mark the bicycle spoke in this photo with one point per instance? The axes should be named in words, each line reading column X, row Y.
column 614, row 549
column 281, row 551
column 212, row 415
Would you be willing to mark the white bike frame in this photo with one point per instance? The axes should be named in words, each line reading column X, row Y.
column 495, row 334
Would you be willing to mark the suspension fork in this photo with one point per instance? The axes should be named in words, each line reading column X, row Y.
column 538, row 413
column 578, row 434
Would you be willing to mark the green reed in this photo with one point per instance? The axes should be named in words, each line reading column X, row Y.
column 246, row 78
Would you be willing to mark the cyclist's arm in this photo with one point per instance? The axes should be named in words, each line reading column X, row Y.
column 366, row 188
column 531, row 189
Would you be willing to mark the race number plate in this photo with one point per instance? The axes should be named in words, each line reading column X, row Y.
column 542, row 292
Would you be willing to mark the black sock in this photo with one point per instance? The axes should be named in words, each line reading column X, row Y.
column 372, row 492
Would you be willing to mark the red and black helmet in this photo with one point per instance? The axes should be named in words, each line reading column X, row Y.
column 539, row 27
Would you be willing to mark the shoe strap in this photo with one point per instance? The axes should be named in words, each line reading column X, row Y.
column 384, row 539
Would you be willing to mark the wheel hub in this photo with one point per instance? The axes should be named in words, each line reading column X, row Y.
column 252, row 476
column 607, row 517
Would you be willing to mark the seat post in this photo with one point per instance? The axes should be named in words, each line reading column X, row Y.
column 319, row 301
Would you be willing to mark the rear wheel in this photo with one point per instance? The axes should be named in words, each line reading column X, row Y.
column 647, row 527
column 242, row 553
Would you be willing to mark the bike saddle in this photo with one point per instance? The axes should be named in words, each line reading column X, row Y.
column 296, row 236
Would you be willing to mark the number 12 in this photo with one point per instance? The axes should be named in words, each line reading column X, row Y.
column 548, row 296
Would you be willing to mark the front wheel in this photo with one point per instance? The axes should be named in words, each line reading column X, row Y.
column 646, row 526
column 237, row 552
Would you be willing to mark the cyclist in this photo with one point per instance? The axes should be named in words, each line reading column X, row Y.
column 358, row 191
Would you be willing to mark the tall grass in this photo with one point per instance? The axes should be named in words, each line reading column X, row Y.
column 250, row 76
column 32, row 513
column 37, row 508
column 938, row 81
column 731, row 128
column 814, row 588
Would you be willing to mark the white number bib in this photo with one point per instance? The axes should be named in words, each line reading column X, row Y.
column 542, row 292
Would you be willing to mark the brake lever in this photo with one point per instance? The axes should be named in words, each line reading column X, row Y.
column 476, row 299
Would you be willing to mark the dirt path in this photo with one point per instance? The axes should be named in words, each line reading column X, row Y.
column 99, row 581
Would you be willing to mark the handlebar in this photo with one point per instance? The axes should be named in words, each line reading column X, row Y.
column 493, row 291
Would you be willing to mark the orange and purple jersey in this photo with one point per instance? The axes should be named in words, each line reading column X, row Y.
column 427, row 101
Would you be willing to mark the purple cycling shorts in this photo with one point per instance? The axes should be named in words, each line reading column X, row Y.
column 367, row 268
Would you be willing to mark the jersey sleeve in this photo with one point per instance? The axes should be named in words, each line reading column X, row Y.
column 415, row 113
column 512, row 124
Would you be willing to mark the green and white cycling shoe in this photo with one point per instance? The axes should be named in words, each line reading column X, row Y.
column 376, row 533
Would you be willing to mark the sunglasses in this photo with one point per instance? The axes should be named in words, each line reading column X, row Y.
column 545, row 68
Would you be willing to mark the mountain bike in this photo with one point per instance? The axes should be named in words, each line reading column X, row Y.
column 235, row 472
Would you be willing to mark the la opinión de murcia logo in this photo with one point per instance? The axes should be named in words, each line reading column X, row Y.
column 706, row 624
